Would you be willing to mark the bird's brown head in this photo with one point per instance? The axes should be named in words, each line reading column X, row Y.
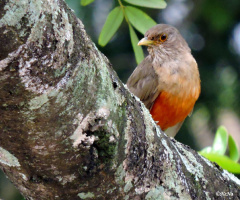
column 165, row 40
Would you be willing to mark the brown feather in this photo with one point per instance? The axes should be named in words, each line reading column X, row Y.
column 144, row 83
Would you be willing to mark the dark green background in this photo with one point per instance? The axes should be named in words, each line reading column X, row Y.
column 212, row 30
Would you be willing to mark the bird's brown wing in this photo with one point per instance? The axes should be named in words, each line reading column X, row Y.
column 144, row 83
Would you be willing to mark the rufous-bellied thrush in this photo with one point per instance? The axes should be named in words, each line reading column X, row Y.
column 167, row 81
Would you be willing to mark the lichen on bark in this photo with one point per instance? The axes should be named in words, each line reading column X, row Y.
column 69, row 127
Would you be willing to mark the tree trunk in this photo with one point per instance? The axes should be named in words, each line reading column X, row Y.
column 69, row 129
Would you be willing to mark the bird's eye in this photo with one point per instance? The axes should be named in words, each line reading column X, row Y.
column 163, row 37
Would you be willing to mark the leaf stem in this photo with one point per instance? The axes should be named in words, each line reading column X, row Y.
column 125, row 16
column 120, row 3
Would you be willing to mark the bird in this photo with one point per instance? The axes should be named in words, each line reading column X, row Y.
column 167, row 81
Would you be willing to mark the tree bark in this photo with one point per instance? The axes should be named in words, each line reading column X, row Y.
column 69, row 129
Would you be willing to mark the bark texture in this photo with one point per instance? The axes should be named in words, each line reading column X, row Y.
column 69, row 129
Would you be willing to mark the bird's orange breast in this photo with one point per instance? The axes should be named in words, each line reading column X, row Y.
column 169, row 109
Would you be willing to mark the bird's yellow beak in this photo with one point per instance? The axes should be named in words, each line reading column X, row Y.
column 145, row 41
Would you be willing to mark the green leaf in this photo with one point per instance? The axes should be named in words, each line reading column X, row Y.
column 159, row 4
column 137, row 49
column 86, row 2
column 113, row 21
column 206, row 150
column 139, row 19
column 233, row 149
column 220, row 141
column 223, row 161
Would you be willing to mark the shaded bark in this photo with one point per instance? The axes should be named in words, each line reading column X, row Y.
column 69, row 129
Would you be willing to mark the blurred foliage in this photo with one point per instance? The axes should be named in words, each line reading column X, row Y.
column 216, row 152
column 7, row 190
column 133, row 16
column 212, row 30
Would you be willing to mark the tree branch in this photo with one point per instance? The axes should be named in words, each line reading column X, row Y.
column 69, row 127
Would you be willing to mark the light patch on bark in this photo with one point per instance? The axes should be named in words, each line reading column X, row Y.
column 5, row 62
column 63, row 31
column 172, row 180
column 168, row 151
column 150, row 126
column 103, row 112
column 15, row 11
column 114, row 97
column 23, row 176
column 7, row 158
column 33, row 84
column 78, row 119
column 83, row 124
column 66, row 179
column 11, row 17
column 207, row 162
column 128, row 186
column 111, row 190
column 64, row 81
column 127, row 136
column 112, row 139
column 112, row 128
column 128, row 177
column 38, row 101
column 42, row 149
column 61, row 99
column 79, row 136
column 190, row 162
column 83, row 195
column 120, row 175
column 230, row 176
column 126, row 197
column 156, row 194
column 192, row 165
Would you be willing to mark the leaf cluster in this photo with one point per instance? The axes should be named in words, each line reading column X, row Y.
column 135, row 18
column 216, row 152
